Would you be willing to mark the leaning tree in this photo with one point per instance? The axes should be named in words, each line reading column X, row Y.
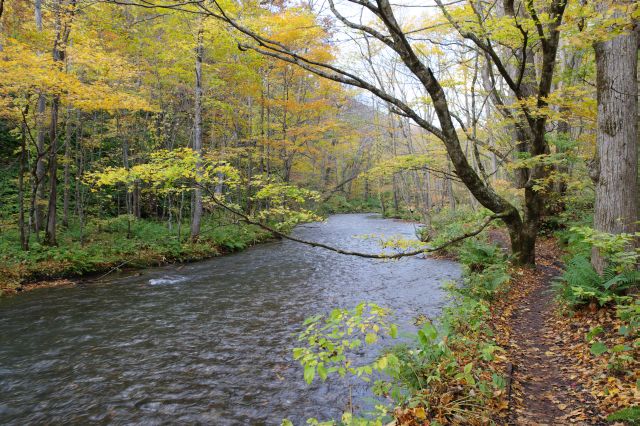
column 523, row 64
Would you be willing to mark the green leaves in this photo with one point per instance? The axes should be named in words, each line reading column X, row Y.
column 595, row 331
column 393, row 331
column 322, row 372
column 370, row 338
column 598, row 348
column 580, row 283
column 629, row 414
column 331, row 339
column 309, row 373
column 427, row 334
column 487, row 351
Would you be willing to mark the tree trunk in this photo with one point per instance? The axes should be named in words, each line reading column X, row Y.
column 617, row 135
column 38, row 213
column 67, row 172
column 24, row 231
column 50, row 236
column 62, row 38
column 196, row 213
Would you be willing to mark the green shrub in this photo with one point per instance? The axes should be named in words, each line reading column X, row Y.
column 423, row 233
column 445, row 372
column 488, row 284
column 448, row 224
column 477, row 255
column 573, row 242
column 630, row 415
column 580, row 284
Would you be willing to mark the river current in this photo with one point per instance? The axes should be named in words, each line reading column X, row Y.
column 203, row 343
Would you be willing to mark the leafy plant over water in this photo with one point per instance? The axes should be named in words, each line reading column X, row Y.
column 444, row 375
column 331, row 341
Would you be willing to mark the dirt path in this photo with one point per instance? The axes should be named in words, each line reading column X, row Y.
column 546, row 391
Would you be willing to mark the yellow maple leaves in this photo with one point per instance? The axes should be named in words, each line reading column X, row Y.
column 26, row 72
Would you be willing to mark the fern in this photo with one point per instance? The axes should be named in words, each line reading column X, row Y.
column 622, row 281
column 631, row 415
column 581, row 284
column 579, row 272
column 477, row 255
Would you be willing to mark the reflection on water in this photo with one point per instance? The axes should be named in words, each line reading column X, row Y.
column 208, row 342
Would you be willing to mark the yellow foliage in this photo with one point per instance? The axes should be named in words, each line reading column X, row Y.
column 25, row 72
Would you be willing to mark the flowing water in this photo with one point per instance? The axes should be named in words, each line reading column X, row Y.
column 204, row 343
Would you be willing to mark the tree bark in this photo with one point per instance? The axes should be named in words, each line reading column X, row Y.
column 38, row 213
column 196, row 213
column 67, row 171
column 24, row 234
column 64, row 17
column 50, row 236
column 617, row 134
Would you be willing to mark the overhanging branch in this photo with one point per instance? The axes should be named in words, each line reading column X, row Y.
column 275, row 232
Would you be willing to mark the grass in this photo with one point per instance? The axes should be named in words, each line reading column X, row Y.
column 114, row 242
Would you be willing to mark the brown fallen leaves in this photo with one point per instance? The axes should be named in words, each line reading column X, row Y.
column 552, row 377
column 612, row 389
column 557, row 379
column 547, row 387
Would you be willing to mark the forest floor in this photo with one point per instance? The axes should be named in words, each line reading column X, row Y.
column 545, row 390
column 555, row 380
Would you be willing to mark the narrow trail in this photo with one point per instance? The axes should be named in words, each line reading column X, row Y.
column 546, row 391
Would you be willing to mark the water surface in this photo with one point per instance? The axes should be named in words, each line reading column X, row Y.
column 208, row 342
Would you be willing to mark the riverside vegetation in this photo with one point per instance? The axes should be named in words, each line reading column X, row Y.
column 459, row 368
column 137, row 133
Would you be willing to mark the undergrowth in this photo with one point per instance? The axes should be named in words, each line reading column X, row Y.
column 338, row 203
column 611, row 300
column 121, row 241
column 447, row 223
column 445, row 374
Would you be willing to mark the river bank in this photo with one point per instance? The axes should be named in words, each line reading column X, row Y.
column 119, row 245
column 206, row 342
column 553, row 371
column 108, row 246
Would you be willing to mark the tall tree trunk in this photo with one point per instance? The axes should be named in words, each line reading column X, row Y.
column 617, row 135
column 67, row 172
column 79, row 194
column 64, row 16
column 50, row 236
column 38, row 212
column 196, row 213
column 24, row 231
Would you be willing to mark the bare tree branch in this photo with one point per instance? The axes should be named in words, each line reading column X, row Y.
column 485, row 46
column 364, row 28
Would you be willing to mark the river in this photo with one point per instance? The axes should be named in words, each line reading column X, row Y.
column 203, row 343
